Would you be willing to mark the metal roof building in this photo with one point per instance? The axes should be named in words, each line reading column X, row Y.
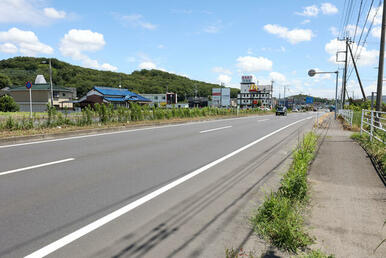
column 115, row 96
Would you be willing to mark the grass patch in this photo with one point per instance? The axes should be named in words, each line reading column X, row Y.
column 376, row 149
column 279, row 219
column 316, row 254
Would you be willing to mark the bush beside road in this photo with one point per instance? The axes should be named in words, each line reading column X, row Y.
column 106, row 116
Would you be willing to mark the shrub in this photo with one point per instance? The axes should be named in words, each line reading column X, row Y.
column 8, row 104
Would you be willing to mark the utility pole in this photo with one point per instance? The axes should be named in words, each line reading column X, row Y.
column 372, row 100
column 272, row 94
column 381, row 59
column 52, row 91
column 357, row 73
column 345, row 73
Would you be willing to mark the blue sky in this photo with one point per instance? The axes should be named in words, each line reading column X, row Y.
column 213, row 41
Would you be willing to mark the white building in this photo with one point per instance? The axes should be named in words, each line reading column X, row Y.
column 159, row 99
column 252, row 95
column 221, row 97
column 162, row 99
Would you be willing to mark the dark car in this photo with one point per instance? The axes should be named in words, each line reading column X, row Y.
column 281, row 111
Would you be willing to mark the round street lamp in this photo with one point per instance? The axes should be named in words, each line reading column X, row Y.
column 312, row 73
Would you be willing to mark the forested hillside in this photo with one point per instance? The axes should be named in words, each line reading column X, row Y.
column 19, row 70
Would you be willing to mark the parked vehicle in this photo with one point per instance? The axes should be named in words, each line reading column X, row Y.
column 281, row 111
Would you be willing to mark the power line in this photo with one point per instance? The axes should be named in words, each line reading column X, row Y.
column 359, row 16
column 367, row 34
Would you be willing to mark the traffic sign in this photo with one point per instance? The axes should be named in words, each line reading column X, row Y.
column 28, row 85
column 309, row 100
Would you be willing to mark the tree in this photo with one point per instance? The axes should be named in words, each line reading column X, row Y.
column 4, row 81
column 8, row 104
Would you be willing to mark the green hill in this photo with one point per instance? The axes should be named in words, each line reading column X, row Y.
column 23, row 69
column 302, row 97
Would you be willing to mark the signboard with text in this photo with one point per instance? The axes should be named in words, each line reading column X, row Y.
column 309, row 100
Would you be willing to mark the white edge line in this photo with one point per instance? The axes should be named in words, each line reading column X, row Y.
column 35, row 166
column 50, row 248
column 123, row 131
column 215, row 129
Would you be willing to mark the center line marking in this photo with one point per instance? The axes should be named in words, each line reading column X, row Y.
column 215, row 129
column 50, row 248
column 36, row 166
column 262, row 120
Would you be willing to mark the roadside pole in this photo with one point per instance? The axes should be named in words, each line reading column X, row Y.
column 28, row 85
column 336, row 93
column 30, row 103
column 378, row 104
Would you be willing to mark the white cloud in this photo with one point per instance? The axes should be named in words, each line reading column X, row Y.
column 27, row 12
column 160, row 46
column 148, row 65
column 378, row 15
column 277, row 77
column 223, row 78
column 219, row 69
column 75, row 42
column 309, row 11
column 253, row 64
column 306, row 21
column 350, row 29
column 54, row 14
column 293, row 36
column 376, row 32
column 328, row 8
column 334, row 31
column 367, row 57
column 26, row 42
column 8, row 48
column 135, row 20
column 213, row 28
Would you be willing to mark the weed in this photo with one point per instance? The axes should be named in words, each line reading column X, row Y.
column 315, row 254
column 279, row 219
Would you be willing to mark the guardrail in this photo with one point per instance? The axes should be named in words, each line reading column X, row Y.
column 347, row 115
column 374, row 124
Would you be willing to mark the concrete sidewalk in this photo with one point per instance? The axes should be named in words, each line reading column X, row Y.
column 348, row 198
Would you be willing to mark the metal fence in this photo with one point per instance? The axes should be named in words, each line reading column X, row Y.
column 374, row 124
column 347, row 115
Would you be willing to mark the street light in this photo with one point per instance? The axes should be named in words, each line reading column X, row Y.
column 52, row 91
column 312, row 73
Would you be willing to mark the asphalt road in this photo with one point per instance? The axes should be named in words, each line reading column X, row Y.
column 51, row 189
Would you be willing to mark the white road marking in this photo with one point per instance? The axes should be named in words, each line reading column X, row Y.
column 36, row 166
column 123, row 131
column 262, row 120
column 215, row 129
column 48, row 249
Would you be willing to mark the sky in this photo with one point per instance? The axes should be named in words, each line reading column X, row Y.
column 213, row 41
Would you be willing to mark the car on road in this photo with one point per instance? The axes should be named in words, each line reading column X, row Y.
column 281, row 111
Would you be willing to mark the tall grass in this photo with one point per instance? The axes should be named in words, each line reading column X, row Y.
column 107, row 114
column 375, row 148
column 279, row 219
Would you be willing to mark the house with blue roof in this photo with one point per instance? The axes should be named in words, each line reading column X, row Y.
column 115, row 96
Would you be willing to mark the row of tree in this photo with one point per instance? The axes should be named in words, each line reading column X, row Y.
column 18, row 70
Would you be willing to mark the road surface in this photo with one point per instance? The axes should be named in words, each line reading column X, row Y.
column 153, row 191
